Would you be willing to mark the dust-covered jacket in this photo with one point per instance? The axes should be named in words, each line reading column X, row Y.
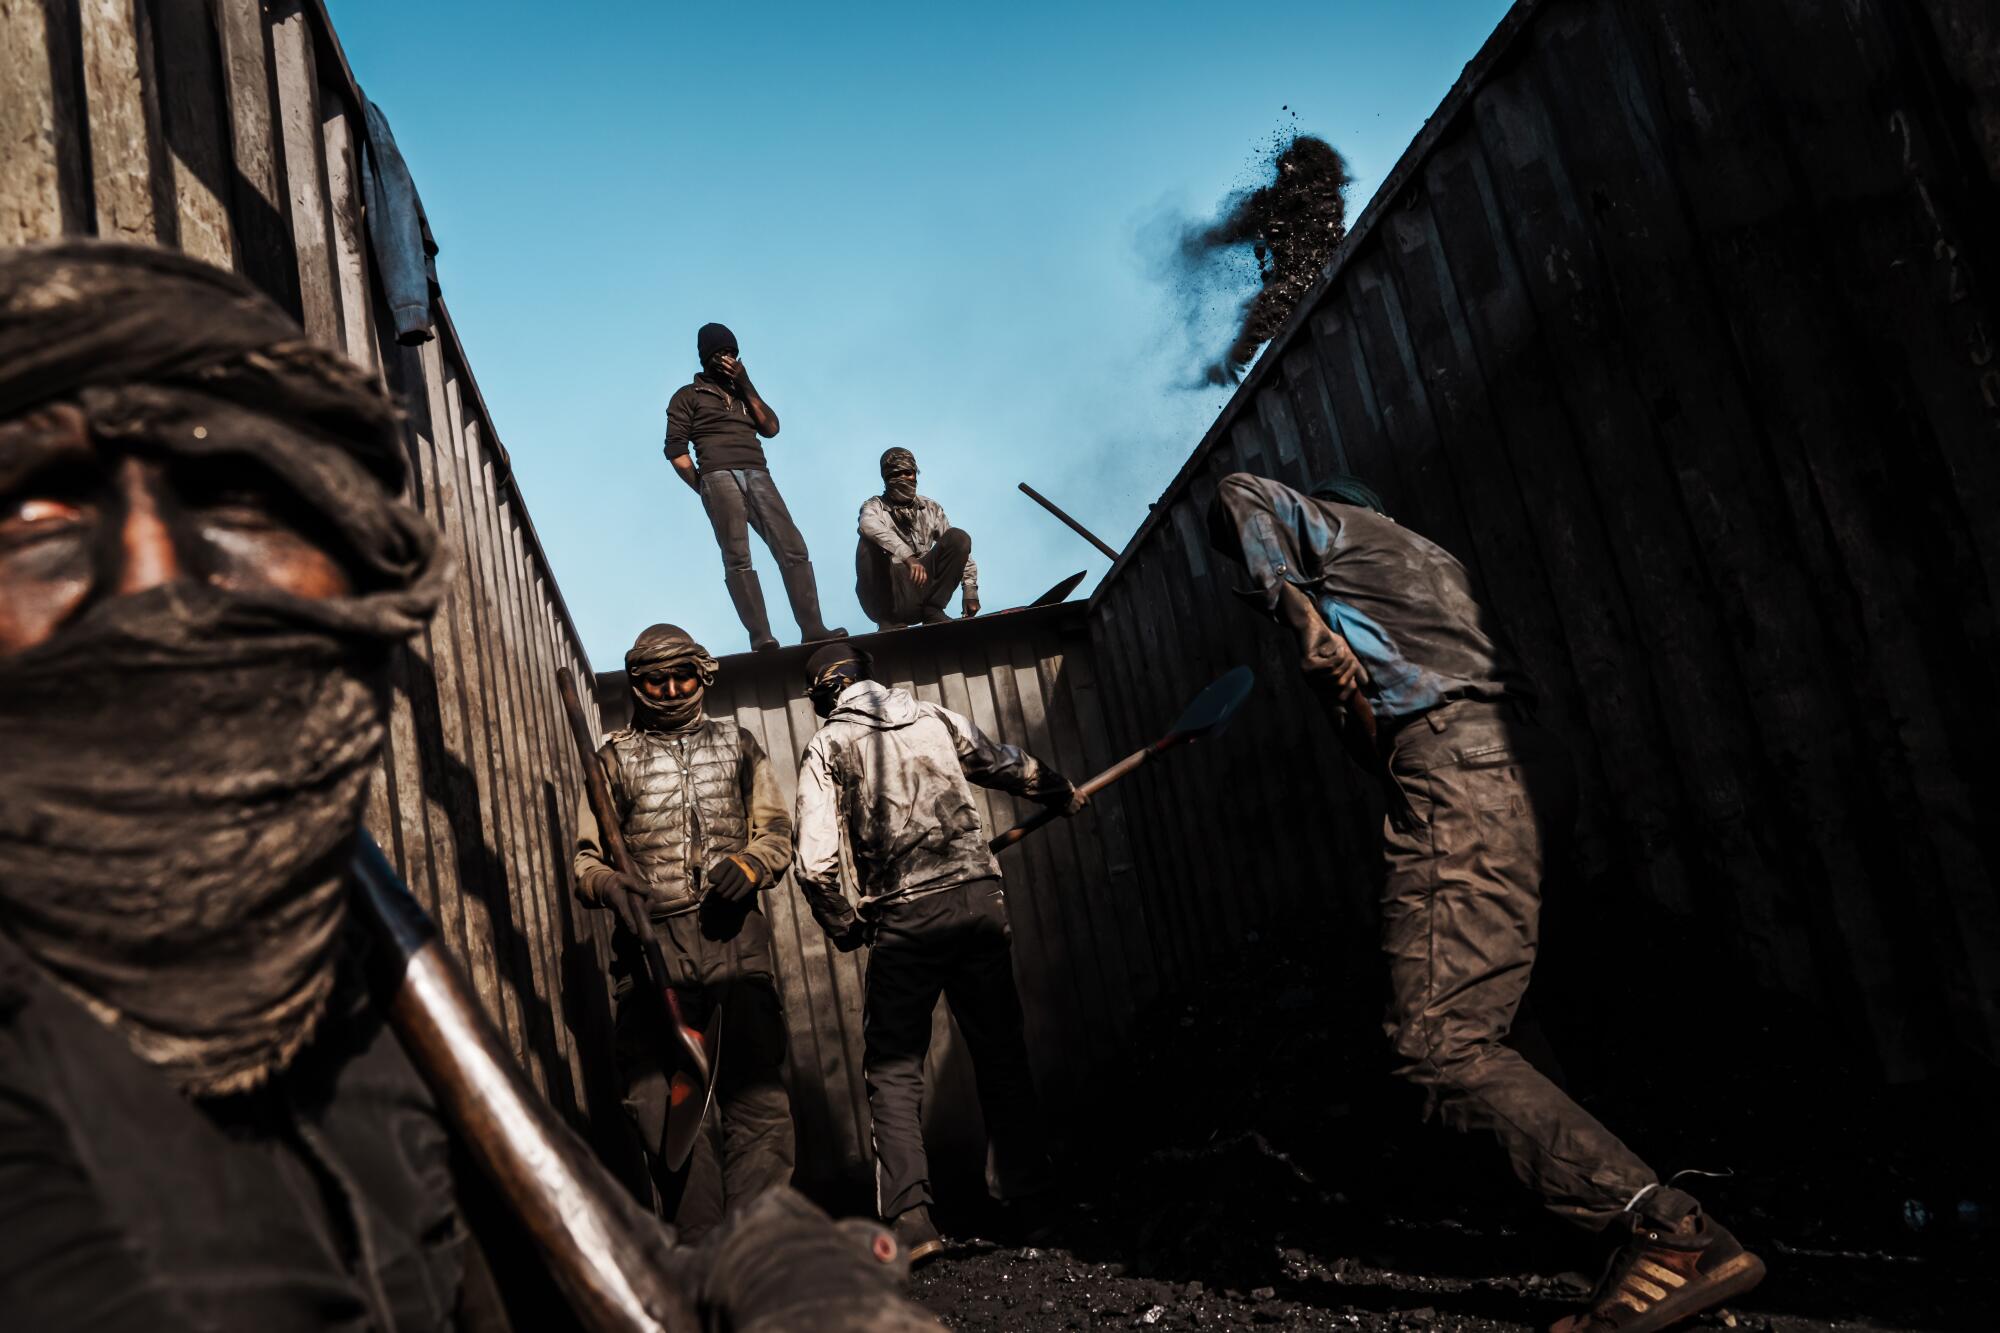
column 900, row 535
column 892, row 774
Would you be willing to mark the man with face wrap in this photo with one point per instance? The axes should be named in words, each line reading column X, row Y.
column 1481, row 799
column 910, row 557
column 708, row 831
column 713, row 425
column 204, row 1121
column 888, row 776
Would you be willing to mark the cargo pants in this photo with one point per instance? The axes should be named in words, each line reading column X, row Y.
column 956, row 943
column 1489, row 796
column 720, row 955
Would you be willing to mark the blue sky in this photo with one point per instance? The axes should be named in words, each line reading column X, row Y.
column 933, row 226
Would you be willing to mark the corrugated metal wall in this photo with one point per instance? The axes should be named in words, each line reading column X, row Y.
column 1083, row 927
column 1677, row 325
column 230, row 130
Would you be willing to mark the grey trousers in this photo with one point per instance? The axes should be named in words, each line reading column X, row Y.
column 956, row 943
column 739, row 499
column 1490, row 794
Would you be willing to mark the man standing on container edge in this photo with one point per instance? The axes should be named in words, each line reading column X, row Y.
column 713, row 425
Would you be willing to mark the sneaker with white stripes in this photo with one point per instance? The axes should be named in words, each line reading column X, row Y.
column 1664, row 1275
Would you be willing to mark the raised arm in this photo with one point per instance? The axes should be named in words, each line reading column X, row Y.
column 761, row 415
column 992, row 763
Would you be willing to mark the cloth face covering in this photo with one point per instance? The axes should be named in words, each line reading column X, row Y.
column 186, row 765
column 902, row 492
column 666, row 648
column 831, row 670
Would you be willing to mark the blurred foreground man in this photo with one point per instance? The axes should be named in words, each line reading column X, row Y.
column 910, row 558
column 707, row 829
column 713, row 430
column 1481, row 799
column 204, row 1121
column 890, row 773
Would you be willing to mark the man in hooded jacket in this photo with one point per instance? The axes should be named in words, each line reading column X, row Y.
column 707, row 831
column 205, row 1122
column 890, row 773
column 910, row 557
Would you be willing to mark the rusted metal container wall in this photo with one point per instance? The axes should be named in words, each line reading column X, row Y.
column 232, row 130
column 1677, row 325
column 1082, row 950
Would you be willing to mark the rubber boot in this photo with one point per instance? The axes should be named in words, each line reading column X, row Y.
column 803, row 591
column 748, row 594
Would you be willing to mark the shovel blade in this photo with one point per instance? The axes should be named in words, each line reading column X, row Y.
column 690, row 1092
column 1060, row 591
column 1212, row 709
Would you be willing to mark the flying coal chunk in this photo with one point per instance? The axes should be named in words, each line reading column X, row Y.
column 1293, row 225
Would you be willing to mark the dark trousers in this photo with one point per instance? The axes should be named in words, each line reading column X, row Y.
column 741, row 499
column 1490, row 795
column 944, row 563
column 718, row 957
column 955, row 943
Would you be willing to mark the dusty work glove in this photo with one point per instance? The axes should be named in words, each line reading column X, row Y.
column 783, row 1266
column 851, row 937
column 736, row 877
column 624, row 897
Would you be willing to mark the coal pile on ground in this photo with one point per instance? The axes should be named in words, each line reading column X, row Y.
column 1258, row 1169
column 1292, row 226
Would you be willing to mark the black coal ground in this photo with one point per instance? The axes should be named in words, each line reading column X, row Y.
column 1278, row 1178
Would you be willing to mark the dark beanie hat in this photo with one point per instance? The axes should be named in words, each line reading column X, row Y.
column 1343, row 489
column 841, row 650
column 713, row 338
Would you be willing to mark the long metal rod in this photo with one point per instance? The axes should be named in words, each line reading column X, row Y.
column 1075, row 526
column 611, row 1260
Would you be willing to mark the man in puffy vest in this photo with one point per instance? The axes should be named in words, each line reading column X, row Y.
column 891, row 773
column 707, row 831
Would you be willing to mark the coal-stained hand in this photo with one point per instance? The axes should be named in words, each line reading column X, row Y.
column 1069, row 801
column 850, row 939
column 1326, row 659
column 918, row 574
column 971, row 607
column 735, row 878
column 729, row 368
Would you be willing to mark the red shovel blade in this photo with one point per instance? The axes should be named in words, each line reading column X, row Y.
column 691, row 1091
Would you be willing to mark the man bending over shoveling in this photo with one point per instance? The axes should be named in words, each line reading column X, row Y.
column 706, row 828
column 1432, row 702
column 892, row 772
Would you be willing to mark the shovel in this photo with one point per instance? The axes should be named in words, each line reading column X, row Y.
column 691, row 1086
column 1204, row 718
